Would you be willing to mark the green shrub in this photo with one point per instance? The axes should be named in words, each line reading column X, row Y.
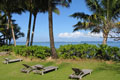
column 68, row 51
column 107, row 52
column 6, row 48
column 115, row 53
column 79, row 50
column 32, row 51
column 89, row 51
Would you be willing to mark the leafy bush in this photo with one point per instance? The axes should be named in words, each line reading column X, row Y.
column 89, row 51
column 79, row 50
column 108, row 53
column 6, row 48
column 68, row 51
column 32, row 51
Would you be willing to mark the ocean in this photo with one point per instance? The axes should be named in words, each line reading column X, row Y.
column 57, row 44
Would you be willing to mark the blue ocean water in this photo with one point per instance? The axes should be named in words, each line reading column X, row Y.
column 57, row 44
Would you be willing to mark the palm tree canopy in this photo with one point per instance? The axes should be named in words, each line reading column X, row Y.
column 12, row 6
column 104, row 16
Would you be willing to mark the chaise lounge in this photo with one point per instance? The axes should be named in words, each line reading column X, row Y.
column 45, row 70
column 28, row 68
column 7, row 60
column 78, row 74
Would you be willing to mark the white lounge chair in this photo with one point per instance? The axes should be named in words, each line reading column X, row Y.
column 78, row 74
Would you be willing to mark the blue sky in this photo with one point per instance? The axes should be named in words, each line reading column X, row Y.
column 62, row 24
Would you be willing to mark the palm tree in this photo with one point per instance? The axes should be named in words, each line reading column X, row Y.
column 3, row 27
column 103, row 19
column 38, row 6
column 6, row 34
column 17, row 31
column 9, row 7
column 28, row 6
column 52, row 4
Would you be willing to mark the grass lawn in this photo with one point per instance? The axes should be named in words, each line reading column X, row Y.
column 101, row 70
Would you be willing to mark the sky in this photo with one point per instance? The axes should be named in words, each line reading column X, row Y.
column 62, row 25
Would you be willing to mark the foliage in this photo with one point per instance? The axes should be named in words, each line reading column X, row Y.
column 103, row 52
column 32, row 51
column 6, row 48
column 108, row 53
column 80, row 50
column 104, row 17
column 89, row 51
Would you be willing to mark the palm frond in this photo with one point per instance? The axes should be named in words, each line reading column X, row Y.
column 94, row 5
column 79, row 15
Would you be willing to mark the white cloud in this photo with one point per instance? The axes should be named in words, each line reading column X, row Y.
column 95, row 34
column 78, row 34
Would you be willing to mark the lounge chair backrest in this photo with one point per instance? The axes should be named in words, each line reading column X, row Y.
column 77, row 71
column 7, row 59
column 26, row 65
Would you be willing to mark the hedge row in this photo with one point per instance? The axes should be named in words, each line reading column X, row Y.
column 89, row 51
column 32, row 51
column 68, row 51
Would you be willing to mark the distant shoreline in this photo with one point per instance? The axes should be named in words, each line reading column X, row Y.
column 69, row 41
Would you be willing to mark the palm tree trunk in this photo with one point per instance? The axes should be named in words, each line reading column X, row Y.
column 105, row 37
column 29, row 29
column 54, row 55
column 29, row 26
column 13, row 34
column 9, row 41
column 6, row 41
column 33, row 29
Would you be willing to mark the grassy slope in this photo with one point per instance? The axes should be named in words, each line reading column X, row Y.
column 101, row 70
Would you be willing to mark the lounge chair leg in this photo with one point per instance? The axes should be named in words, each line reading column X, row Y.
column 90, row 73
column 42, row 73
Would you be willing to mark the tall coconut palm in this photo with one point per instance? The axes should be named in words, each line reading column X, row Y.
column 9, row 7
column 17, row 31
column 28, row 6
column 52, row 4
column 103, row 19
column 38, row 6
column 3, row 27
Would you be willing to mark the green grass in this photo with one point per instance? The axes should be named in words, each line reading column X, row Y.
column 101, row 70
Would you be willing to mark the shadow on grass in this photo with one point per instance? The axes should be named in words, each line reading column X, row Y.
column 64, row 65
column 49, row 63
column 109, row 67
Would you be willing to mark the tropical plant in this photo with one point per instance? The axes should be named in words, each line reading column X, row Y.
column 3, row 31
column 38, row 6
column 6, row 34
column 33, row 51
column 115, row 34
column 28, row 6
column 9, row 7
column 18, row 33
column 52, row 5
column 104, row 17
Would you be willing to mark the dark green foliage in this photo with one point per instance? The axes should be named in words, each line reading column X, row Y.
column 80, row 50
column 108, row 53
column 32, row 51
column 103, row 52
column 6, row 48
column 89, row 51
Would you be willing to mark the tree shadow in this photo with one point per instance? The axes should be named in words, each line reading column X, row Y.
column 111, row 67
